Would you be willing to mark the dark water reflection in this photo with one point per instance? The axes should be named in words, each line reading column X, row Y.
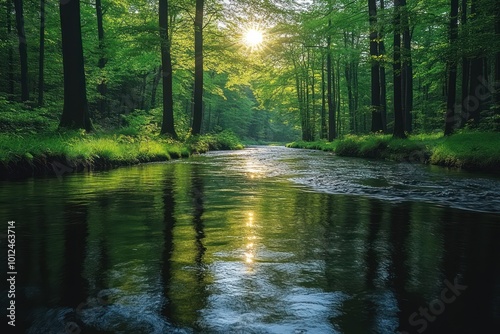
column 227, row 243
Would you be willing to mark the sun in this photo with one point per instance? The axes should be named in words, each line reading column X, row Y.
column 253, row 38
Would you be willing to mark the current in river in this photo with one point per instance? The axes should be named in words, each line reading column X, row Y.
column 262, row 240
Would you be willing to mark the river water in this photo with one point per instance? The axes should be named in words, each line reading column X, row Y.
column 263, row 240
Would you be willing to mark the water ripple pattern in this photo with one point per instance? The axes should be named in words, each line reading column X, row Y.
column 384, row 180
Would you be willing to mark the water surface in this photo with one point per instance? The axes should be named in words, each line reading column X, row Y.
column 264, row 240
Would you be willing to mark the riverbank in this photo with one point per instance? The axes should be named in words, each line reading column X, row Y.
column 476, row 151
column 25, row 155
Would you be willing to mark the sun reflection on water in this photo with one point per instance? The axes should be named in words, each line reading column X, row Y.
column 249, row 254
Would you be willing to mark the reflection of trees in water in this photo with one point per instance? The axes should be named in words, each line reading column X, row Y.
column 168, row 239
column 197, row 193
column 74, row 287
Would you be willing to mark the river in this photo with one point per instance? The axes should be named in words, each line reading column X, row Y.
column 263, row 240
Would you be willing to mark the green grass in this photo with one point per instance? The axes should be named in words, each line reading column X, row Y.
column 468, row 150
column 24, row 154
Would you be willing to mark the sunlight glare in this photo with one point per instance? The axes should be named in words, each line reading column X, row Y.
column 253, row 37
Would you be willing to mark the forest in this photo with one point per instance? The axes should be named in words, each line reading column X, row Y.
column 285, row 166
column 260, row 71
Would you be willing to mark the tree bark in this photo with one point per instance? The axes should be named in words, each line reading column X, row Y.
column 198, row 69
column 167, row 127
column 41, row 56
column 23, row 49
column 76, row 112
column 475, row 104
column 10, row 57
column 383, row 84
column 465, row 68
column 323, row 131
column 329, row 74
column 399, row 127
column 497, row 62
column 450, row 121
column 377, row 124
column 407, row 68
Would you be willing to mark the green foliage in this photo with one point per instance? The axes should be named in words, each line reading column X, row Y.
column 225, row 140
column 469, row 150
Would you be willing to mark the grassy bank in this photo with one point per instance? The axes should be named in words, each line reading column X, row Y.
column 468, row 150
column 56, row 153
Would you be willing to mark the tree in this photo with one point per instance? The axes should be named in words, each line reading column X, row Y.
column 332, row 134
column 41, row 56
column 377, row 123
column 450, row 121
column 407, row 68
column 399, row 127
column 198, row 69
column 23, row 49
column 75, row 112
column 167, row 127
column 10, row 57
column 497, row 61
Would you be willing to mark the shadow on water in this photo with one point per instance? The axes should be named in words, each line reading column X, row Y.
column 216, row 245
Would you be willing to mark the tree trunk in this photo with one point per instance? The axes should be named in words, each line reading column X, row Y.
column 76, row 112
column 407, row 69
column 10, row 57
column 101, row 87
column 450, row 121
column 399, row 127
column 23, row 49
column 198, row 69
column 348, row 70
column 41, row 54
column 167, row 127
column 465, row 68
column 337, row 85
column 383, row 83
column 497, row 62
column 329, row 73
column 323, row 131
column 475, row 104
column 377, row 124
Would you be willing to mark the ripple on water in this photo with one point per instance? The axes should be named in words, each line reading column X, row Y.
column 390, row 181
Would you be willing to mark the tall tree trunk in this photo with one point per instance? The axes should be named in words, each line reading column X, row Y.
column 399, row 127
column 101, row 87
column 323, row 131
column 407, row 68
column 75, row 112
column 377, row 124
column 198, row 68
column 10, row 57
column 41, row 56
column 475, row 104
column 497, row 62
column 329, row 73
column 23, row 49
column 450, row 120
column 348, row 71
column 465, row 69
column 383, row 83
column 337, row 85
column 167, row 126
